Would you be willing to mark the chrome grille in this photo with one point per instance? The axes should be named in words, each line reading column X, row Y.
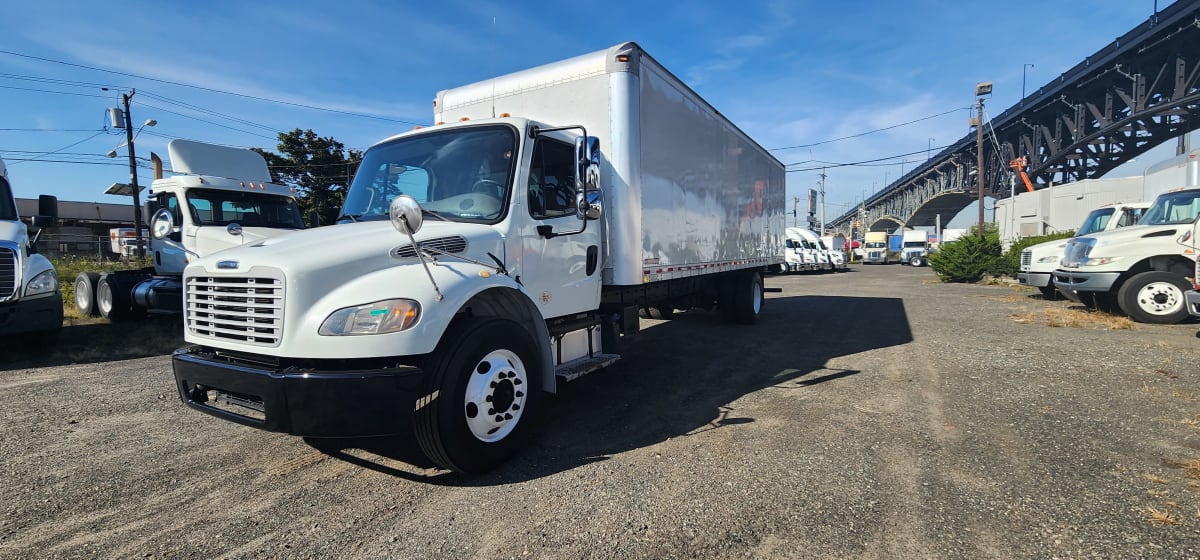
column 1026, row 258
column 452, row 244
column 246, row 309
column 8, row 273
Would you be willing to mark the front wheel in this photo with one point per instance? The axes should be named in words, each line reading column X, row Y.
column 1154, row 297
column 483, row 390
column 916, row 260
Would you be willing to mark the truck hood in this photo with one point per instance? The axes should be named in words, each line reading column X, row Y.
column 1047, row 248
column 12, row 231
column 1111, row 241
column 357, row 248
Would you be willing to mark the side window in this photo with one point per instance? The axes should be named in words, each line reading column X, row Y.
column 171, row 202
column 552, row 180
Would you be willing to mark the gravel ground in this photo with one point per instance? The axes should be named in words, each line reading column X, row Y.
column 870, row 414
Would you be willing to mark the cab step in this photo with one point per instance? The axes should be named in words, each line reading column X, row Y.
column 580, row 367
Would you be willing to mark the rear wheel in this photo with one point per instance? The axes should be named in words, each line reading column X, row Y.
column 742, row 299
column 1154, row 297
column 113, row 298
column 484, row 386
column 85, row 293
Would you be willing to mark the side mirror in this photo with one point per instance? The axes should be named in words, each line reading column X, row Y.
column 162, row 224
column 588, row 201
column 47, row 211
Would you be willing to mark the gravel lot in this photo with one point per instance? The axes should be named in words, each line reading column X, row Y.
column 870, row 414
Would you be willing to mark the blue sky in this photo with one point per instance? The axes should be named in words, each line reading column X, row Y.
column 788, row 73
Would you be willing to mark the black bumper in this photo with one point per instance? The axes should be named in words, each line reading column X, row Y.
column 32, row 315
column 352, row 403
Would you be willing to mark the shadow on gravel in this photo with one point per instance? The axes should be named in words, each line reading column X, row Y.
column 154, row 335
column 676, row 379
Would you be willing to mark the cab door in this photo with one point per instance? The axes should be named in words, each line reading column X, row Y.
column 560, row 265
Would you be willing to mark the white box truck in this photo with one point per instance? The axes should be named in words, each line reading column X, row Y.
column 915, row 250
column 1038, row 262
column 219, row 197
column 30, row 297
column 1191, row 240
column 483, row 260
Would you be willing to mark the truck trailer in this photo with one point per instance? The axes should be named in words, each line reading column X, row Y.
column 481, row 261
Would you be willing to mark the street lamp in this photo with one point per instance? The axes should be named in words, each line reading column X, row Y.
column 1023, row 68
column 981, row 89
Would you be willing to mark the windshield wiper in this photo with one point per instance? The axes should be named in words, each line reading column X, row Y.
column 434, row 214
column 353, row 217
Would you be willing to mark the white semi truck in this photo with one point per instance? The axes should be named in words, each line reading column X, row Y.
column 480, row 262
column 1191, row 240
column 915, row 250
column 801, row 254
column 1140, row 268
column 220, row 197
column 30, row 298
column 1038, row 262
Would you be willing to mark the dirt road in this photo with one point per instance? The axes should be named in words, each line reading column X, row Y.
column 870, row 414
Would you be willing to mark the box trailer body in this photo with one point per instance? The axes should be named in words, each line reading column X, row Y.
column 483, row 260
column 30, row 295
column 915, row 250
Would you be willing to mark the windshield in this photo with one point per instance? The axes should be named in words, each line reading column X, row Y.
column 875, row 244
column 914, row 243
column 213, row 207
column 7, row 211
column 462, row 174
column 1173, row 208
column 1097, row 220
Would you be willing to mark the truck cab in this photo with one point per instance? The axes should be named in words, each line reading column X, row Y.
column 1039, row 261
column 219, row 198
column 915, row 249
column 30, row 296
column 875, row 248
column 1140, row 268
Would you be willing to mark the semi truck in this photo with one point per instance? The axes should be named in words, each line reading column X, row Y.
column 481, row 261
column 1038, row 262
column 875, row 248
column 915, row 249
column 30, row 297
column 1141, row 268
column 219, row 197
column 1191, row 240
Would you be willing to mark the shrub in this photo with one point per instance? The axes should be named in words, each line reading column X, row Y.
column 1010, row 262
column 968, row 258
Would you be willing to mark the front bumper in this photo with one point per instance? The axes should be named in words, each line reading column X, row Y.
column 1035, row 279
column 1193, row 302
column 31, row 315
column 1068, row 281
column 313, row 403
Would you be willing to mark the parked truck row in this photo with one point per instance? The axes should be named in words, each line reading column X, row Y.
column 805, row 251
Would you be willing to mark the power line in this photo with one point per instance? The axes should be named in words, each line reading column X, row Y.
column 207, row 111
column 864, row 133
column 57, row 92
column 202, row 88
column 863, row 163
column 50, row 130
column 14, row 162
column 205, row 121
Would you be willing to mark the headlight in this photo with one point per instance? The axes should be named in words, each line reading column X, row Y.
column 1050, row 259
column 1097, row 261
column 44, row 283
column 381, row 317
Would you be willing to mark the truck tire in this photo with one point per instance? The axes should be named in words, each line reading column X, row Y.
column 747, row 299
column 1154, row 297
column 484, row 387
column 916, row 260
column 85, row 293
column 113, row 300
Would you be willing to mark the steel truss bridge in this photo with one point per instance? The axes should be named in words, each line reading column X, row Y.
column 1134, row 94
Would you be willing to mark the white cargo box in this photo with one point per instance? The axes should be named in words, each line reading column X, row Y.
column 686, row 192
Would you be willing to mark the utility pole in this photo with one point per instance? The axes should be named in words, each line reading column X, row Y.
column 822, row 201
column 133, row 179
column 981, row 89
column 795, row 215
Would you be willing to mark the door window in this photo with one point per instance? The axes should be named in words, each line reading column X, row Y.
column 552, row 180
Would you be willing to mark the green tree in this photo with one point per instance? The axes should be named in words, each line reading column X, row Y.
column 319, row 168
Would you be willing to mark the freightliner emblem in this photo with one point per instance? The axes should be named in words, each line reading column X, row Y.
column 227, row 264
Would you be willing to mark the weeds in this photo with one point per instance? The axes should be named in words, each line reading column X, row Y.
column 1158, row 517
column 1072, row 318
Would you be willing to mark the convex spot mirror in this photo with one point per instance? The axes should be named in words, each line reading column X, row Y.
column 405, row 214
